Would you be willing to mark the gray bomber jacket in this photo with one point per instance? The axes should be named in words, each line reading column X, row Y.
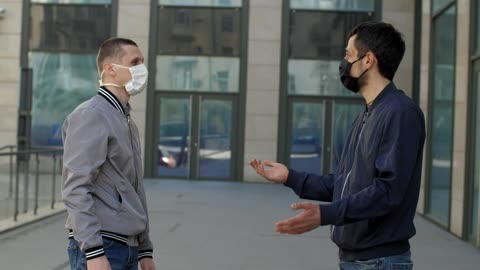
column 102, row 177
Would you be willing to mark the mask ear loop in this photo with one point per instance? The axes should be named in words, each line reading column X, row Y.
column 106, row 84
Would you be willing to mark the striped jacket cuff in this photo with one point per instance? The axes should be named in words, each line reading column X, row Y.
column 94, row 252
column 147, row 253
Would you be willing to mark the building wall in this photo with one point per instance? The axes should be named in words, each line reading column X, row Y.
column 424, row 86
column 134, row 23
column 401, row 14
column 263, row 83
column 460, row 119
column 10, row 36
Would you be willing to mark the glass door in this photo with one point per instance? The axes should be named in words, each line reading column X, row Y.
column 194, row 136
column 317, row 132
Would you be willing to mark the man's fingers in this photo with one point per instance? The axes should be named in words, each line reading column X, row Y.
column 298, row 206
column 268, row 163
column 257, row 165
column 292, row 228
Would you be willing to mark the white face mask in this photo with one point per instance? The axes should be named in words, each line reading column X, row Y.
column 138, row 82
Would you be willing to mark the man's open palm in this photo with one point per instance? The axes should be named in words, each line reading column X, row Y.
column 272, row 171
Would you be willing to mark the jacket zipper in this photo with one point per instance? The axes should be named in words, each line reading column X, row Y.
column 134, row 154
column 348, row 175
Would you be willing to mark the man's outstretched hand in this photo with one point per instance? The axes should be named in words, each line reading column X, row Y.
column 271, row 171
column 306, row 221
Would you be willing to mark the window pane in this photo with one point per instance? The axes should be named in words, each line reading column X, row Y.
column 194, row 31
column 174, row 137
column 322, row 35
column 190, row 73
column 361, row 5
column 477, row 30
column 54, row 96
column 476, row 188
column 442, row 115
column 309, row 77
column 69, row 28
column 215, row 144
column 307, row 137
column 206, row 3
column 343, row 117
column 437, row 5
column 72, row 1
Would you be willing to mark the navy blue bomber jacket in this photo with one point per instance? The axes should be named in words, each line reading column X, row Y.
column 374, row 189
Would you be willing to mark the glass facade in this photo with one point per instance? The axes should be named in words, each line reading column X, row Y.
column 201, row 3
column 345, row 5
column 95, row 2
column 316, row 47
column 442, row 112
column 174, row 137
column 198, row 62
column 198, row 73
column 307, row 137
column 215, row 149
column 474, row 231
column 438, row 5
column 64, row 40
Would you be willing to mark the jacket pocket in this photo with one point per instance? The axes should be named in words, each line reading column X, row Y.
column 106, row 192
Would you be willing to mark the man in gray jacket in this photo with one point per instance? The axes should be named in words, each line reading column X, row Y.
column 102, row 175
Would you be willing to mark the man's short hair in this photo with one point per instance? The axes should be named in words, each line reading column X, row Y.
column 384, row 41
column 112, row 48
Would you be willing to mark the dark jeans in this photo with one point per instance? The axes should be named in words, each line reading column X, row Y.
column 397, row 262
column 120, row 256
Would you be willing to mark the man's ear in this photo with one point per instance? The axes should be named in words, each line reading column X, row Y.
column 370, row 60
column 108, row 69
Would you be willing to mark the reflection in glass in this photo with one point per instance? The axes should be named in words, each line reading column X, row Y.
column 352, row 5
column 54, row 96
column 199, row 31
column 442, row 115
column 69, row 28
column 190, row 73
column 437, row 5
column 72, row 1
column 174, row 137
column 315, row 77
column 204, row 3
column 215, row 134
column 307, row 137
column 322, row 35
column 476, row 189
column 343, row 117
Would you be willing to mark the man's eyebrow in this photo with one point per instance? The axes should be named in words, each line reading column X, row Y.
column 136, row 59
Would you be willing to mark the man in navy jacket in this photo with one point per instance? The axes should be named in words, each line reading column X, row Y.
column 373, row 193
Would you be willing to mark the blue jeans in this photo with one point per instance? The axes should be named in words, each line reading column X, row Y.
column 397, row 262
column 120, row 256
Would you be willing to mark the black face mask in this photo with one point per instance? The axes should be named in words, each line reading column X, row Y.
column 351, row 83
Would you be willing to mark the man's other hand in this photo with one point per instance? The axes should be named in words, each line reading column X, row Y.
column 100, row 263
column 306, row 221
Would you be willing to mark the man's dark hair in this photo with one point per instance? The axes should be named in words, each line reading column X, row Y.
column 112, row 48
column 383, row 40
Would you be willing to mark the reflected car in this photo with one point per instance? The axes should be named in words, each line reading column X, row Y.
column 165, row 158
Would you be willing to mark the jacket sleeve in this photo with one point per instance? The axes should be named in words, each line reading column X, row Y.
column 311, row 186
column 398, row 152
column 145, row 247
column 85, row 151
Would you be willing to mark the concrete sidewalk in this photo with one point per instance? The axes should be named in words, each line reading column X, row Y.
column 226, row 226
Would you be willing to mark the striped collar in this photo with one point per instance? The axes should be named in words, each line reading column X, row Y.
column 112, row 99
